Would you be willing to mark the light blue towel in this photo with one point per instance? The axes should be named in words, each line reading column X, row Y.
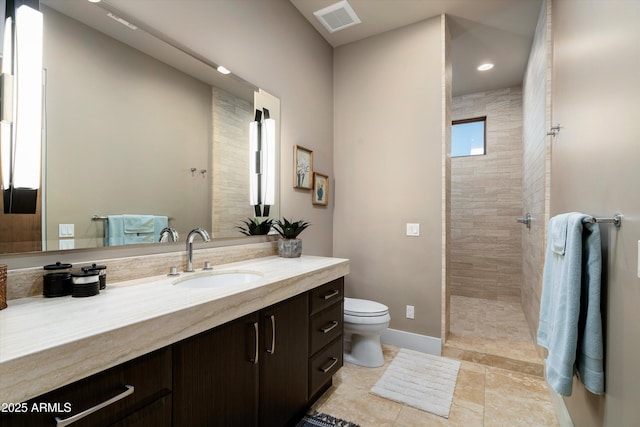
column 558, row 234
column 570, row 324
column 133, row 229
column 140, row 224
column 138, row 229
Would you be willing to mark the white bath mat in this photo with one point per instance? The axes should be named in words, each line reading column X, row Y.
column 420, row 380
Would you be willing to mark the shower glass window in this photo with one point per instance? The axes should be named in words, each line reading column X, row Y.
column 468, row 137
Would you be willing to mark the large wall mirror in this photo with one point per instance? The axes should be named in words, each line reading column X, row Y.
column 134, row 124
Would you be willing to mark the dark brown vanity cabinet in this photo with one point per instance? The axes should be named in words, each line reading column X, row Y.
column 249, row 372
column 264, row 369
column 326, row 317
column 215, row 376
column 283, row 363
column 134, row 394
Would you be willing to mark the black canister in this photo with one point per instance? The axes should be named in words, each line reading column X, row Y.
column 57, row 280
column 85, row 283
column 102, row 273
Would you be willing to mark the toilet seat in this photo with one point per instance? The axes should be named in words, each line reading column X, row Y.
column 364, row 308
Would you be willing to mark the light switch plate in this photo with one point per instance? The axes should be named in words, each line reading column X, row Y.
column 413, row 229
column 66, row 230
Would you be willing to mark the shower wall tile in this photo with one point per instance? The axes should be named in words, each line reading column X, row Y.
column 486, row 197
column 230, row 196
column 536, row 160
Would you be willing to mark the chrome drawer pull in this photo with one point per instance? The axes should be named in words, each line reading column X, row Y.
column 330, row 326
column 255, row 357
column 61, row 423
column 273, row 335
column 334, row 360
column 331, row 294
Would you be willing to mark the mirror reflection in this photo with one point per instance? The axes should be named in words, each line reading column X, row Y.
column 136, row 126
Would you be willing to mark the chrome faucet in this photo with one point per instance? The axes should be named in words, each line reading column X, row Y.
column 192, row 234
column 168, row 232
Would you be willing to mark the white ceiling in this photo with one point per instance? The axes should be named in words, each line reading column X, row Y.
column 497, row 31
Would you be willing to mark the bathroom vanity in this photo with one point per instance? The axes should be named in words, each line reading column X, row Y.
column 251, row 354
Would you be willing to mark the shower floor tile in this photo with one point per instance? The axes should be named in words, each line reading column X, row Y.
column 492, row 332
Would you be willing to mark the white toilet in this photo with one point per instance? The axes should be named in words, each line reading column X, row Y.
column 364, row 321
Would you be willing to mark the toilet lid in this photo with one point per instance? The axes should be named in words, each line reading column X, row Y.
column 364, row 308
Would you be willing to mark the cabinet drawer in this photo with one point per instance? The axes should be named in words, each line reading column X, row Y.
column 323, row 365
column 150, row 376
column 325, row 326
column 325, row 295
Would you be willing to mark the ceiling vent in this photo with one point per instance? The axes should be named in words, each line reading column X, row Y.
column 337, row 17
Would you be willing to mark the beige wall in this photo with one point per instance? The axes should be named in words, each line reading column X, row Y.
column 388, row 169
column 486, row 197
column 595, row 170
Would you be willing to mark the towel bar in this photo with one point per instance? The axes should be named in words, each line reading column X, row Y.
column 104, row 218
column 616, row 220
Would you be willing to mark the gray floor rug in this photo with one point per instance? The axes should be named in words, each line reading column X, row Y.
column 323, row 420
column 420, row 380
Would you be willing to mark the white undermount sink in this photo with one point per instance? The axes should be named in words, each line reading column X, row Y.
column 217, row 280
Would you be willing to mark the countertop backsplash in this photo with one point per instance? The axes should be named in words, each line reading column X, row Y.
column 27, row 282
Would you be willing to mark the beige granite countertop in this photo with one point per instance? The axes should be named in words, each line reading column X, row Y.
column 46, row 343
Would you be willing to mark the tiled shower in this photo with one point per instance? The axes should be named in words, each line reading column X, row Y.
column 496, row 263
column 487, row 321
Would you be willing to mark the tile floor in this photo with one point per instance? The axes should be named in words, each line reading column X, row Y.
column 500, row 381
column 493, row 333
column 484, row 396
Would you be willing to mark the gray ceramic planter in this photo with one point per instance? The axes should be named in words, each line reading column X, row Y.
column 290, row 248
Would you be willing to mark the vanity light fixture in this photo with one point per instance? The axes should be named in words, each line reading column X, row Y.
column 485, row 67
column 21, row 133
column 262, row 162
column 223, row 70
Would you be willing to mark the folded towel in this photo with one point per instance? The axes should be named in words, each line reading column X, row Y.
column 123, row 230
column 138, row 224
column 114, row 230
column 570, row 325
column 558, row 232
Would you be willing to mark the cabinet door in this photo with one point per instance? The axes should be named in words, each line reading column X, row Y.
column 215, row 376
column 283, row 363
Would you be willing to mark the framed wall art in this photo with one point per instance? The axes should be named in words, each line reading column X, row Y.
column 320, row 194
column 302, row 167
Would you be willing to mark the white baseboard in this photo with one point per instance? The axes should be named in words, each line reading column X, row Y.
column 412, row 341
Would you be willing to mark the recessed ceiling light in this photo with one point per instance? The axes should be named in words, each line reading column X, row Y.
column 223, row 70
column 94, row 1
column 122, row 21
column 485, row 67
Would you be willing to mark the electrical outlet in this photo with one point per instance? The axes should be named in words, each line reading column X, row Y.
column 410, row 312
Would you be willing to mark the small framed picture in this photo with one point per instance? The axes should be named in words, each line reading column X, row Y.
column 302, row 167
column 320, row 189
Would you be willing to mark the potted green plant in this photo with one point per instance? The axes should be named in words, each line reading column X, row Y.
column 255, row 227
column 289, row 246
